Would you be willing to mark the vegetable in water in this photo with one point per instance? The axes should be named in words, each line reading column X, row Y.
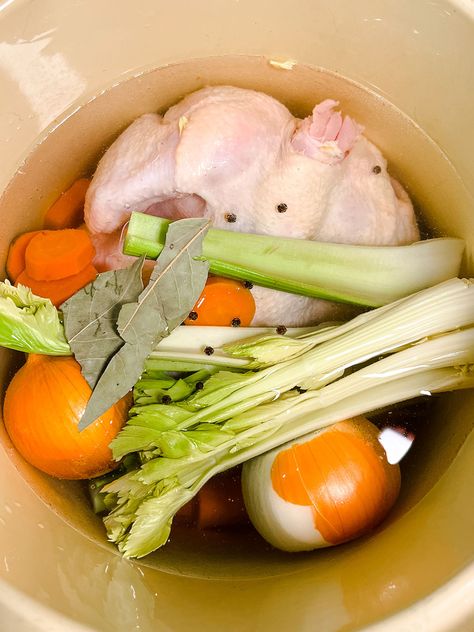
column 68, row 210
column 43, row 405
column 428, row 341
column 54, row 264
column 223, row 302
column 60, row 290
column 364, row 275
column 56, row 254
column 90, row 318
column 16, row 254
column 321, row 490
column 30, row 323
column 176, row 282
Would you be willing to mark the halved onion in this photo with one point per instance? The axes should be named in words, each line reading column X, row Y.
column 324, row 490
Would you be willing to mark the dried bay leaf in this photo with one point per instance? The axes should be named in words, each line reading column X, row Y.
column 177, row 280
column 90, row 318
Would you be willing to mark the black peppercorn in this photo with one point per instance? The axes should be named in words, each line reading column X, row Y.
column 248, row 285
column 281, row 329
column 300, row 390
column 282, row 208
column 199, row 386
column 166, row 399
column 235, row 322
column 377, row 169
column 230, row 217
column 208, row 350
column 193, row 315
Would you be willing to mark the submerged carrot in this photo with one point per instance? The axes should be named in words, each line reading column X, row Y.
column 59, row 290
column 16, row 254
column 187, row 514
column 220, row 502
column 68, row 210
column 57, row 254
column 223, row 302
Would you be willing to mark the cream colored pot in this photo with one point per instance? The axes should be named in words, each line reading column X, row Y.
column 417, row 572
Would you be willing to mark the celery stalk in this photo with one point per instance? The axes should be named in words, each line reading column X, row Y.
column 147, row 499
column 363, row 275
column 419, row 345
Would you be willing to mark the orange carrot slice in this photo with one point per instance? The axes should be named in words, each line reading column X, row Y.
column 16, row 254
column 223, row 302
column 221, row 502
column 68, row 210
column 58, row 254
column 59, row 290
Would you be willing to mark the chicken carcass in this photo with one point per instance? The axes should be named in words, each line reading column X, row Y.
column 240, row 158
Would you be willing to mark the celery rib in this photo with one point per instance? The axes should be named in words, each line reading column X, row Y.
column 361, row 275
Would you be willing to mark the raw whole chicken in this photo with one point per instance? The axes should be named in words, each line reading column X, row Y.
column 242, row 159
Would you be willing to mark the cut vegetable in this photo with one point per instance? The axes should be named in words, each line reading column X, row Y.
column 16, row 254
column 57, row 254
column 224, row 303
column 58, row 291
column 188, row 347
column 364, row 275
column 68, row 210
column 322, row 491
column 30, row 323
column 428, row 341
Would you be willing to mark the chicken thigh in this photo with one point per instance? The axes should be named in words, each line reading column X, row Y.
column 240, row 158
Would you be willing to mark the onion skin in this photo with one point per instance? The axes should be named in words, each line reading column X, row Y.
column 43, row 406
column 323, row 491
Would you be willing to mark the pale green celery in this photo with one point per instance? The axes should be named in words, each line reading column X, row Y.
column 445, row 307
column 166, row 484
column 187, row 344
column 364, row 275
column 226, row 395
column 30, row 323
column 176, row 366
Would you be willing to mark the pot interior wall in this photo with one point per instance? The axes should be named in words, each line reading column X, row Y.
column 72, row 149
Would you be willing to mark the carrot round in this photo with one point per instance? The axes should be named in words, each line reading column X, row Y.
column 60, row 290
column 68, row 210
column 16, row 254
column 223, row 302
column 57, row 254
column 220, row 502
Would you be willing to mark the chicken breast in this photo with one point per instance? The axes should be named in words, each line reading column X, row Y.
column 240, row 158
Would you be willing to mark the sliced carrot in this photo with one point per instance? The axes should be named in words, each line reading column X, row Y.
column 223, row 302
column 221, row 503
column 60, row 290
column 68, row 210
column 58, row 254
column 16, row 254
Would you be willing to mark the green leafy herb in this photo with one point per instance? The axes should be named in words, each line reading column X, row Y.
column 90, row 318
column 30, row 323
column 175, row 284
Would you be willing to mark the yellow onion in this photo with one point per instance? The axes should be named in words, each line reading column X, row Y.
column 43, row 406
column 322, row 491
